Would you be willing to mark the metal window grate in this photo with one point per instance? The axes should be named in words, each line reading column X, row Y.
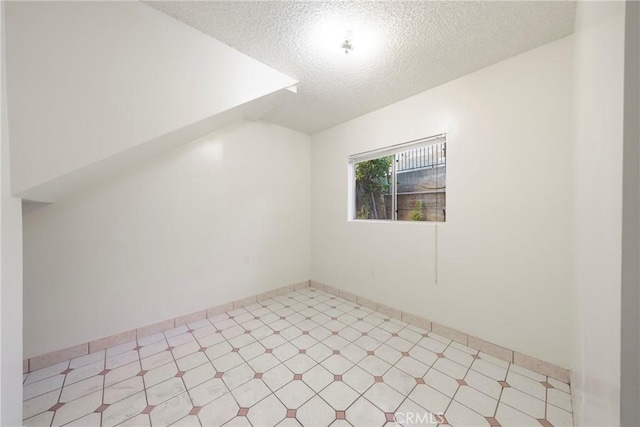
column 423, row 157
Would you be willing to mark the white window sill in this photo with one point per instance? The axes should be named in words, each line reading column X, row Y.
column 386, row 221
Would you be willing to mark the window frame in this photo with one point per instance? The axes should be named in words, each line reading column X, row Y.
column 384, row 152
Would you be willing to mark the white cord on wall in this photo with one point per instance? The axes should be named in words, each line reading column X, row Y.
column 436, row 254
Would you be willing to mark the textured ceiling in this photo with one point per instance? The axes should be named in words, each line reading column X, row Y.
column 400, row 48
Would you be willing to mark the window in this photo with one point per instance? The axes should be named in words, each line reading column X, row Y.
column 406, row 182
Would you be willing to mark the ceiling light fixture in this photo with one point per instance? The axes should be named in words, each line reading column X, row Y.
column 347, row 45
column 334, row 38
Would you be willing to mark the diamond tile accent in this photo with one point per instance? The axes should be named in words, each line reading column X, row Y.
column 148, row 409
column 333, row 362
column 493, row 422
column 101, row 408
column 56, row 407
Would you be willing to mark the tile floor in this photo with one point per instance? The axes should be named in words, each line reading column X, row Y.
column 306, row 358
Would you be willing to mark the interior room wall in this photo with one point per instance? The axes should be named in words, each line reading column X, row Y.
column 88, row 80
column 504, row 253
column 169, row 238
column 597, row 189
column 11, row 267
column 630, row 310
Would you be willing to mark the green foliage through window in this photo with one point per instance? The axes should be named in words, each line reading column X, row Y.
column 416, row 214
column 373, row 183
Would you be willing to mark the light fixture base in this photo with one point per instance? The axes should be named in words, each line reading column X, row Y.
column 347, row 45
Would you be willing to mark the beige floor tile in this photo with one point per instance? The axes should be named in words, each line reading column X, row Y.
column 300, row 358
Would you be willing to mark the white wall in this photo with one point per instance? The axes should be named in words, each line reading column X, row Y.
column 504, row 253
column 11, row 266
column 599, row 71
column 169, row 238
column 630, row 290
column 88, row 80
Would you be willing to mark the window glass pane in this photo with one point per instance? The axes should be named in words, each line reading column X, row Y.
column 421, row 183
column 374, row 189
